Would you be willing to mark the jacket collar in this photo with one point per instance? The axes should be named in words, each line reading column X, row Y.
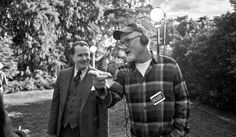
column 155, row 60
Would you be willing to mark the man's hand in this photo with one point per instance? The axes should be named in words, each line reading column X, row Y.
column 99, row 79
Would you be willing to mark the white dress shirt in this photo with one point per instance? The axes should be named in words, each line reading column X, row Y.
column 84, row 71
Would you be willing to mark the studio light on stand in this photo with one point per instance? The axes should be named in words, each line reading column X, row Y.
column 158, row 15
column 93, row 50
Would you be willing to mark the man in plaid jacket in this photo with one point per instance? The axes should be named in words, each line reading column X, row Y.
column 156, row 94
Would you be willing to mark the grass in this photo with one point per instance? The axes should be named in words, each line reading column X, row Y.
column 30, row 110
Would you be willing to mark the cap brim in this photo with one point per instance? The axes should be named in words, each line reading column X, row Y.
column 117, row 33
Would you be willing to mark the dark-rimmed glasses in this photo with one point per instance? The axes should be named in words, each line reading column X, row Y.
column 124, row 44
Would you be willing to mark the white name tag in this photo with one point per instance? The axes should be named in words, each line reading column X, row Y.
column 157, row 98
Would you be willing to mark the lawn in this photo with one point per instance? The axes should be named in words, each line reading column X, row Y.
column 30, row 110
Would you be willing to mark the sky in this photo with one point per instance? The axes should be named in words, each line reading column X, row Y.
column 193, row 8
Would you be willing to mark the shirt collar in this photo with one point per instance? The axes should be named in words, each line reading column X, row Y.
column 82, row 71
column 155, row 60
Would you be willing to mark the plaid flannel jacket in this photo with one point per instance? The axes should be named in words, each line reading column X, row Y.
column 146, row 119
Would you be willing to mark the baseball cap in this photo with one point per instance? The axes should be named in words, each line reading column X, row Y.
column 128, row 29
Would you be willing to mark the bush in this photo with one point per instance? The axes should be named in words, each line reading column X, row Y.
column 40, row 81
column 21, row 85
column 14, row 86
column 45, row 82
column 28, row 84
column 208, row 61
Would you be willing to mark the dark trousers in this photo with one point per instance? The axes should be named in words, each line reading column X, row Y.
column 69, row 132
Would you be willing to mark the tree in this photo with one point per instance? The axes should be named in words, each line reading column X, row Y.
column 5, row 3
column 116, row 14
column 6, row 57
column 41, row 31
column 76, row 22
column 233, row 3
column 224, row 41
column 206, row 53
column 32, row 25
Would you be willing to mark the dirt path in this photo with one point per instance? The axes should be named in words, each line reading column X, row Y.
column 208, row 122
column 33, row 115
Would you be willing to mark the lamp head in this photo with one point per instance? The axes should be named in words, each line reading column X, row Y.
column 157, row 14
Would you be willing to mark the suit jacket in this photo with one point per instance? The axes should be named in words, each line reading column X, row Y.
column 93, row 120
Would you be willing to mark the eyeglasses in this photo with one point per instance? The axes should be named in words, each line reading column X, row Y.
column 124, row 44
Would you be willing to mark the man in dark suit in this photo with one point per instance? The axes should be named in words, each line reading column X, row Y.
column 75, row 110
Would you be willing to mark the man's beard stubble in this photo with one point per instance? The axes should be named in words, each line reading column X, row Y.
column 130, row 57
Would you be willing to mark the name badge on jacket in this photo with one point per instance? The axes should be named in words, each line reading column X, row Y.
column 157, row 98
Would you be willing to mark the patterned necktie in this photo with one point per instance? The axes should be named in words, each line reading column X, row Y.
column 77, row 78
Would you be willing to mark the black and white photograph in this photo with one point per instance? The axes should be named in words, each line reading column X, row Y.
column 117, row 68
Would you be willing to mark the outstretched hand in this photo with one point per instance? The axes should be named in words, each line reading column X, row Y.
column 99, row 78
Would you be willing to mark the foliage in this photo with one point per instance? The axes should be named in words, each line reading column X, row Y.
column 5, row 3
column 225, row 59
column 206, row 52
column 233, row 3
column 14, row 86
column 32, row 25
column 6, row 57
column 76, row 22
column 36, row 35
column 41, row 80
